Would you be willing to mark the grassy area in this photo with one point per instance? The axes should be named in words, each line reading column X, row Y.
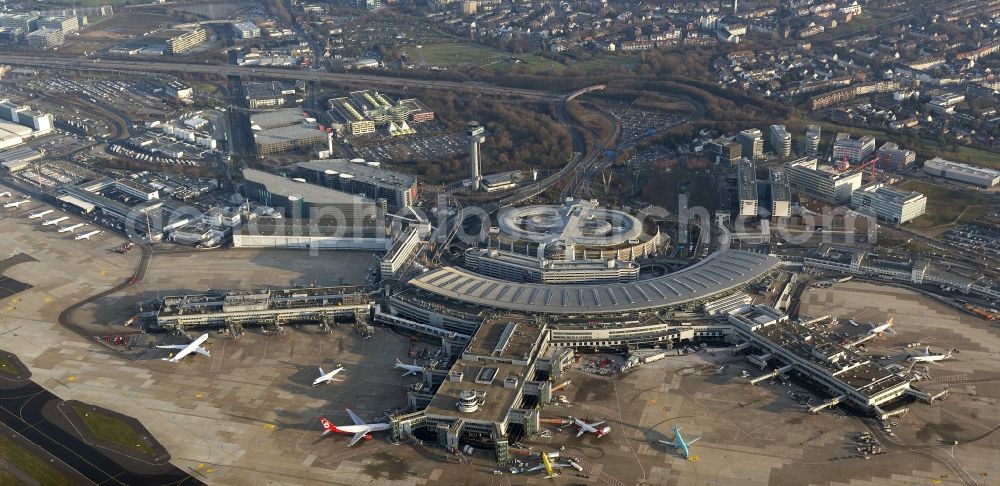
column 114, row 430
column 127, row 26
column 946, row 206
column 450, row 54
column 7, row 478
column 599, row 64
column 6, row 366
column 30, row 464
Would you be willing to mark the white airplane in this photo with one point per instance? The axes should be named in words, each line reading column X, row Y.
column 5, row 194
column 410, row 369
column 584, row 427
column 72, row 228
column 879, row 329
column 360, row 430
column 325, row 377
column 40, row 214
column 55, row 221
column 927, row 357
column 86, row 236
column 186, row 349
column 15, row 204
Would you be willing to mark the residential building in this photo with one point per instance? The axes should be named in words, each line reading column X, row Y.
column 888, row 203
column 180, row 41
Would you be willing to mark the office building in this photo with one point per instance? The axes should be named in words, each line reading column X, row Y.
column 24, row 22
column 403, row 249
column 780, row 195
column 359, row 177
column 813, row 135
column 476, row 134
column 179, row 41
column 888, row 203
column 356, row 123
column 752, row 141
column 418, row 112
column 65, row 24
column 747, row 191
column 723, row 151
column 45, row 38
column 969, row 174
column 246, row 30
column 781, row 141
column 853, row 150
column 891, row 157
column 825, row 184
column 267, row 94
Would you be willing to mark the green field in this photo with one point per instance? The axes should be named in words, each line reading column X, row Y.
column 599, row 64
column 113, row 430
column 30, row 464
column 946, row 206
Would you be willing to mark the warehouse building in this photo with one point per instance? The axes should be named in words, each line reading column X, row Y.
column 825, row 184
column 968, row 174
column 888, row 203
column 356, row 176
column 18, row 159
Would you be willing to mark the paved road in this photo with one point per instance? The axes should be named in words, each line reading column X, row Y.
column 226, row 70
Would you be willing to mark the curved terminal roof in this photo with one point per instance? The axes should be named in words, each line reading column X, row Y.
column 719, row 272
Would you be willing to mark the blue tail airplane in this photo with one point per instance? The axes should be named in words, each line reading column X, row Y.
column 680, row 443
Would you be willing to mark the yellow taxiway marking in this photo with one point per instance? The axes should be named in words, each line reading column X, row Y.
column 198, row 395
column 103, row 272
column 269, row 426
column 71, row 378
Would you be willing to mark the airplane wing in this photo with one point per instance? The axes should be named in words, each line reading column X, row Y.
column 692, row 441
column 357, row 420
column 357, row 437
column 581, row 431
column 532, row 469
column 182, row 353
column 173, row 346
column 669, row 443
column 202, row 351
column 596, row 424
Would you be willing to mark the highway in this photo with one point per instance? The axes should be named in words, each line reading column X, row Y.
column 370, row 80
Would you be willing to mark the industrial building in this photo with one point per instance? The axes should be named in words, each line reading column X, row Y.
column 853, row 150
column 301, row 200
column 968, row 174
column 18, row 159
column 825, row 184
column 521, row 268
column 12, row 134
column 888, row 203
column 113, row 199
column 781, row 141
column 752, row 142
column 747, row 188
column 891, row 157
column 262, row 307
column 356, row 176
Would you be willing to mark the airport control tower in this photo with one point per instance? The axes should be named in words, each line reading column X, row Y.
column 476, row 137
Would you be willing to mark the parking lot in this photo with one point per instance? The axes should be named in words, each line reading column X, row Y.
column 638, row 123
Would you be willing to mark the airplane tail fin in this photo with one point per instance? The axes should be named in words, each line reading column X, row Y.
column 327, row 426
column 321, row 373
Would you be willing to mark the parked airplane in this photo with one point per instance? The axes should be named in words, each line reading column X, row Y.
column 5, row 194
column 186, row 349
column 55, row 221
column 360, row 429
column 879, row 329
column 325, row 377
column 15, row 204
column 927, row 357
column 584, row 427
column 86, row 236
column 549, row 466
column 40, row 214
column 680, row 444
column 72, row 228
column 410, row 369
